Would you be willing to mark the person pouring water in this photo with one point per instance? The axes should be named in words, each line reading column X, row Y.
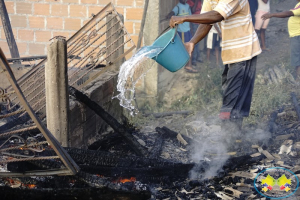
column 184, row 29
column 240, row 47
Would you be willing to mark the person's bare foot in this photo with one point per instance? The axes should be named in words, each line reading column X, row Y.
column 265, row 49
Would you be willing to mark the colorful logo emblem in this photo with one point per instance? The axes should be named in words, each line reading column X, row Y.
column 276, row 183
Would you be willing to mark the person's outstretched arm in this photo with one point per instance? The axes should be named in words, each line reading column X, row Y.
column 278, row 15
column 201, row 32
column 210, row 17
column 205, row 20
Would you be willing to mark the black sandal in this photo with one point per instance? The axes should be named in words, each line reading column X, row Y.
column 191, row 70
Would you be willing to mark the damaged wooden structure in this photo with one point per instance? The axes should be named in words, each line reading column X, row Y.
column 97, row 48
column 30, row 149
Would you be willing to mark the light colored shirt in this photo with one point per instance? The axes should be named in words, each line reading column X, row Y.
column 239, row 39
column 183, row 10
column 294, row 22
column 262, row 6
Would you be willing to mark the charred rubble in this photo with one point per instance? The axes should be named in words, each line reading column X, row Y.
column 111, row 168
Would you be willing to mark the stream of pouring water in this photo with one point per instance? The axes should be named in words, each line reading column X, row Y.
column 130, row 72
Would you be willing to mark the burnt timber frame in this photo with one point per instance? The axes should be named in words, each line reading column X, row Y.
column 72, row 167
column 105, row 25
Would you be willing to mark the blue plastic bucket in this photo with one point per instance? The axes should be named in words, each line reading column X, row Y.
column 174, row 55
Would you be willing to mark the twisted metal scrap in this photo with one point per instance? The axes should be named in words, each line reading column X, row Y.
column 4, row 98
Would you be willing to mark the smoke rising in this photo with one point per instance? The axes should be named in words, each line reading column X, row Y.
column 214, row 145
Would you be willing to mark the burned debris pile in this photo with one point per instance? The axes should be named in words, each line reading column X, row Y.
column 111, row 168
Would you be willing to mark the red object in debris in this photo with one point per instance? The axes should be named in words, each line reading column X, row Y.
column 224, row 115
column 282, row 187
column 270, row 187
column 132, row 179
column 30, row 186
column 125, row 180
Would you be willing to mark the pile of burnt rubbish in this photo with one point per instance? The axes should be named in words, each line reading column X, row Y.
column 111, row 168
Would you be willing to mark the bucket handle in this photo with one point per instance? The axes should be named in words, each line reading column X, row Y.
column 166, row 29
column 173, row 39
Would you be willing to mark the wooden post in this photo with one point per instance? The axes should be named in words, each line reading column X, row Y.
column 142, row 24
column 57, row 94
column 13, row 48
column 111, row 28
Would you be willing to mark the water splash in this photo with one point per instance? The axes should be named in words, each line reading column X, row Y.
column 130, row 72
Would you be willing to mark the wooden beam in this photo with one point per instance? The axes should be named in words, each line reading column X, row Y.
column 112, row 122
column 13, row 48
column 142, row 24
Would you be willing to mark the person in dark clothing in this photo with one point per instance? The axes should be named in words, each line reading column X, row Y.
column 196, row 6
column 253, row 9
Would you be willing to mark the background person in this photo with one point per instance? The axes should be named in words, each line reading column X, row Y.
column 294, row 32
column 184, row 29
column 196, row 6
column 260, row 24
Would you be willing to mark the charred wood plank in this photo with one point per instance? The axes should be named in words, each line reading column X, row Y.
column 103, row 193
column 141, row 174
column 106, row 142
column 24, row 59
column 110, row 165
column 235, row 162
column 21, row 167
column 12, row 123
column 173, row 134
column 119, row 128
column 101, row 158
column 296, row 104
column 164, row 114
column 158, row 144
column 272, row 124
